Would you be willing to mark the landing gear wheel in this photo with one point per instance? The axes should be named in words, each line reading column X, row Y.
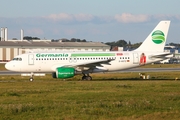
column 31, row 79
column 83, row 77
column 88, row 78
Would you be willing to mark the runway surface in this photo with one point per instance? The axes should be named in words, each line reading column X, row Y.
column 129, row 70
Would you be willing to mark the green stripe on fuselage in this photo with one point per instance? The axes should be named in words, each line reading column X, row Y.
column 91, row 54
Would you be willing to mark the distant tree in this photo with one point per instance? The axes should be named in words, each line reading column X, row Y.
column 84, row 40
column 27, row 38
column 30, row 38
column 119, row 43
column 64, row 40
column 73, row 40
column 129, row 46
column 78, row 40
column 136, row 45
column 14, row 39
column 177, row 45
column 111, row 43
column 172, row 44
column 35, row 38
column 124, row 44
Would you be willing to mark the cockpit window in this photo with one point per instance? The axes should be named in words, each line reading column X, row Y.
column 17, row 59
column 20, row 59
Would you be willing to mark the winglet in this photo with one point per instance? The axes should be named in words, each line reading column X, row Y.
column 156, row 39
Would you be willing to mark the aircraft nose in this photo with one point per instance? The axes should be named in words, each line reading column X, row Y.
column 8, row 66
column 12, row 66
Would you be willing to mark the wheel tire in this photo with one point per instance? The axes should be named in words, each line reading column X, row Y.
column 88, row 78
column 31, row 79
column 83, row 77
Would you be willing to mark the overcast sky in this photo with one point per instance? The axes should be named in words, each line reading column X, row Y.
column 93, row 20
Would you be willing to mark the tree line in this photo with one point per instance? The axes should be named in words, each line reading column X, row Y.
column 126, row 45
column 67, row 40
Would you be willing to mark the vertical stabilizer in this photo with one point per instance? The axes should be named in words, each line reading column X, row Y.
column 157, row 38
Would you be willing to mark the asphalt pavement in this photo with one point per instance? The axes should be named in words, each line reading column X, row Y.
column 129, row 70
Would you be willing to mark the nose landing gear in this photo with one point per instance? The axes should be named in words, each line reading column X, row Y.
column 31, row 77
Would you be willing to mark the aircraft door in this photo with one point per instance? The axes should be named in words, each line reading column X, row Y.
column 135, row 58
column 31, row 59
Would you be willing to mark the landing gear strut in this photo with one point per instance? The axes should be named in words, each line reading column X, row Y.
column 31, row 77
column 86, row 77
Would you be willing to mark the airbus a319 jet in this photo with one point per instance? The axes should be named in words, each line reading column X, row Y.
column 68, row 64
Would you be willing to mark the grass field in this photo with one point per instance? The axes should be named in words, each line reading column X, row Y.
column 110, row 96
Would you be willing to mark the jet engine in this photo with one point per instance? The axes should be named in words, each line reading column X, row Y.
column 64, row 72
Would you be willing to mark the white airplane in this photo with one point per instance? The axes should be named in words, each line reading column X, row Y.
column 68, row 64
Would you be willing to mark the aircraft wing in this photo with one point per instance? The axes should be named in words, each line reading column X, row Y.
column 94, row 63
column 85, row 65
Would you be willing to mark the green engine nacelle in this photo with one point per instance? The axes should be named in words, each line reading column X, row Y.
column 65, row 72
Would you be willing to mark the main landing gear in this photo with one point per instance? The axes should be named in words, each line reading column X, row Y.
column 86, row 77
column 31, row 77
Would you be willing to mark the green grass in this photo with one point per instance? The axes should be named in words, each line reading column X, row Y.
column 115, row 96
column 110, row 96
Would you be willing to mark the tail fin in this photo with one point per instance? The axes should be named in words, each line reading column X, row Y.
column 156, row 39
